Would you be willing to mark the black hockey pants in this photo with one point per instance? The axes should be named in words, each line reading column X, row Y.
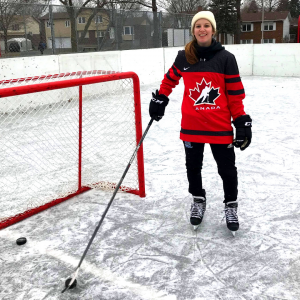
column 225, row 159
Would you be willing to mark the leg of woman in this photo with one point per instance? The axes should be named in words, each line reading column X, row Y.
column 225, row 159
column 194, row 159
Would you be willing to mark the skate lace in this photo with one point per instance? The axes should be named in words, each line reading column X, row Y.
column 231, row 214
column 197, row 210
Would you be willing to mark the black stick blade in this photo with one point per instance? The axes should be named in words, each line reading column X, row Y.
column 68, row 286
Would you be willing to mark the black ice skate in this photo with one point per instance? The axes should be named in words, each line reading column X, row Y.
column 198, row 208
column 231, row 216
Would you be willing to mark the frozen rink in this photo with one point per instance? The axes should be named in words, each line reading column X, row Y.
column 146, row 248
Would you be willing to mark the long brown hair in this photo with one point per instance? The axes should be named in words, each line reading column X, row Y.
column 190, row 52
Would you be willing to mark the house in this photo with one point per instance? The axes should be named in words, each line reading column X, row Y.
column 97, row 28
column 275, row 27
column 137, row 32
column 106, row 31
column 22, row 27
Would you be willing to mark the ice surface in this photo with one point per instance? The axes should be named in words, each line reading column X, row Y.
column 146, row 248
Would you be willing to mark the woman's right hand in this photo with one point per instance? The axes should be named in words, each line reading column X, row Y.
column 157, row 106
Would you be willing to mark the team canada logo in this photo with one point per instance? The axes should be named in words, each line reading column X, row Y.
column 204, row 93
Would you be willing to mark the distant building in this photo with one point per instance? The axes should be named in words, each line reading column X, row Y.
column 137, row 32
column 105, row 31
column 62, row 28
column 276, row 27
column 22, row 27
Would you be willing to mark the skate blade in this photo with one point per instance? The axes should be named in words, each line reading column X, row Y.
column 233, row 233
column 195, row 227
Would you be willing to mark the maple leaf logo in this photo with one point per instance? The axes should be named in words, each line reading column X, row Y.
column 204, row 93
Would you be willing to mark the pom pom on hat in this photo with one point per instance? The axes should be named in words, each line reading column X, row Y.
column 204, row 15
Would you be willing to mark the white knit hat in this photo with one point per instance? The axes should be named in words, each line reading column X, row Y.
column 204, row 15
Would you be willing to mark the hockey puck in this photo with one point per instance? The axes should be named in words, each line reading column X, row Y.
column 21, row 241
column 72, row 285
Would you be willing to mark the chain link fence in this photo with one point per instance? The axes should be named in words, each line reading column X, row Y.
column 27, row 30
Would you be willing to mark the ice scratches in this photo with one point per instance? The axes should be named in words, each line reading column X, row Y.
column 200, row 248
column 247, row 258
column 266, row 235
column 264, row 296
column 258, row 271
column 216, row 277
column 106, row 275
column 287, row 217
column 142, row 257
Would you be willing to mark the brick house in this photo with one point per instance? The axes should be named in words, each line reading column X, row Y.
column 276, row 27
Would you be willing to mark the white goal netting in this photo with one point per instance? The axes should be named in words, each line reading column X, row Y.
column 50, row 148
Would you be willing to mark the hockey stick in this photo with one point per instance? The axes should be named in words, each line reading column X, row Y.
column 71, row 282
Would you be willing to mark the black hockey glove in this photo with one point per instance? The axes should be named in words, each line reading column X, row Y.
column 243, row 133
column 157, row 106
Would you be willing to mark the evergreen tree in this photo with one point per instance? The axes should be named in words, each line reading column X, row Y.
column 283, row 5
column 294, row 8
column 225, row 14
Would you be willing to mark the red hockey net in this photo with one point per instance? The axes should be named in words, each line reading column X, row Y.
column 63, row 134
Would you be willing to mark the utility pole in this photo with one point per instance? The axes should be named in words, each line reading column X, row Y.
column 262, row 22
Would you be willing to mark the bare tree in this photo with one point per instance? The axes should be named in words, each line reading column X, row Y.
column 153, row 5
column 269, row 5
column 250, row 7
column 131, row 6
column 74, row 8
column 256, row 5
column 188, row 6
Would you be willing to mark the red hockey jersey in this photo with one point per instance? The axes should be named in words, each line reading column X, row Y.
column 213, row 95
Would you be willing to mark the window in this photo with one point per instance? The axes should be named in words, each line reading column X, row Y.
column 81, row 20
column 269, row 41
column 128, row 30
column 98, row 19
column 15, row 27
column 81, row 34
column 67, row 23
column 246, row 41
column 100, row 33
column 247, row 27
column 48, row 24
column 269, row 26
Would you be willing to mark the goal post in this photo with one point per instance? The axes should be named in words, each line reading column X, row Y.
column 63, row 134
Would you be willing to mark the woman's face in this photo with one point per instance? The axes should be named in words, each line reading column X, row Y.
column 203, row 32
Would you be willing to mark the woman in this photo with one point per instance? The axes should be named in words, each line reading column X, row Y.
column 213, row 96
